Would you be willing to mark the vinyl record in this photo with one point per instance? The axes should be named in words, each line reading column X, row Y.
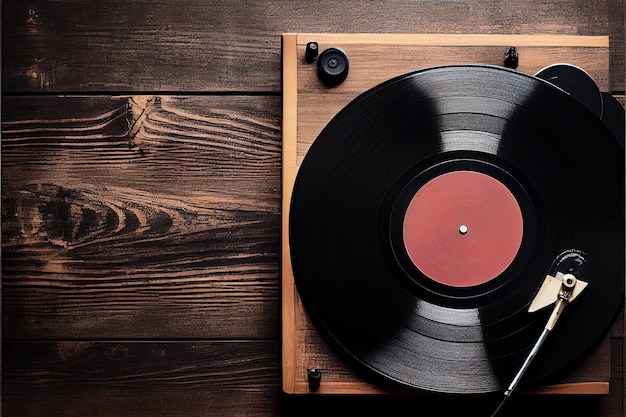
column 428, row 212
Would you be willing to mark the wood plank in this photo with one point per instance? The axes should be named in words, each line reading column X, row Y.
column 204, row 378
column 200, row 378
column 616, row 16
column 134, row 217
column 118, row 378
column 449, row 39
column 519, row 405
column 614, row 405
column 289, row 134
column 193, row 45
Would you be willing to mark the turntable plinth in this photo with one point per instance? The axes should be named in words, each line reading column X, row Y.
column 308, row 106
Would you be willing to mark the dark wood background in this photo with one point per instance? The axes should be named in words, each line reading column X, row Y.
column 141, row 176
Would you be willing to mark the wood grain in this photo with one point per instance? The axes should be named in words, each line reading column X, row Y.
column 289, row 151
column 196, row 378
column 616, row 14
column 140, row 217
column 192, row 45
column 209, row 378
column 140, row 220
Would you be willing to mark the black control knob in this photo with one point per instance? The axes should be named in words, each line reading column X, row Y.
column 332, row 66
column 311, row 52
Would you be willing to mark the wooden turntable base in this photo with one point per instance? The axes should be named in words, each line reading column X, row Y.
column 308, row 106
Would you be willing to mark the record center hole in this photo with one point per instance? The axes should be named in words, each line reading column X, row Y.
column 463, row 229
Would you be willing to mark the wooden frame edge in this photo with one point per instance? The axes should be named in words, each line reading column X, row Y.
column 289, row 137
column 448, row 39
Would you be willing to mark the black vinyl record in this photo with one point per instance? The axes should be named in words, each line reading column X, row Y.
column 518, row 171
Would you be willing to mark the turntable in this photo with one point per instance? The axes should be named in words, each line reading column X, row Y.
column 432, row 185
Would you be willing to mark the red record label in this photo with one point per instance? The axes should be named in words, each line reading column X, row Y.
column 463, row 228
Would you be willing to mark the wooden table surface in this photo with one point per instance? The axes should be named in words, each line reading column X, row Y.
column 141, row 196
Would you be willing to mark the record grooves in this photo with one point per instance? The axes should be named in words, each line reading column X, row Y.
column 556, row 174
